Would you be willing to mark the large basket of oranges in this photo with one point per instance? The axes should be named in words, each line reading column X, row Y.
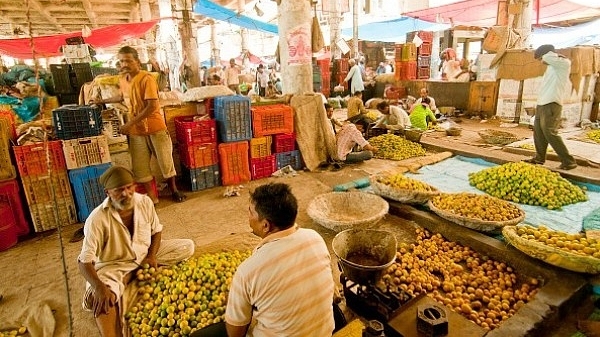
column 569, row 251
column 480, row 212
column 401, row 188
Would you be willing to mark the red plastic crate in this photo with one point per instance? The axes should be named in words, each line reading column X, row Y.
column 324, row 65
column 190, row 131
column 141, row 189
column 424, row 61
column 408, row 70
column 342, row 65
column 9, row 190
column 423, row 35
column 31, row 159
column 423, row 73
column 209, row 106
column 272, row 119
column 262, row 167
column 425, row 49
column 8, row 227
column 198, row 155
column 284, row 142
column 234, row 163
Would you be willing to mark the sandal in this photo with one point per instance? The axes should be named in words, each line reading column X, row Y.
column 77, row 236
column 178, row 196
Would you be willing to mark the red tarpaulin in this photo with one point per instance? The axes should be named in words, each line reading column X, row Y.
column 49, row 45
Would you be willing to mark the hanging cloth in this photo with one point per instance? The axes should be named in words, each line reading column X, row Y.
column 318, row 42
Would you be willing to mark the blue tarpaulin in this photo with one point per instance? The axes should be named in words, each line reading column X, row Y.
column 212, row 10
column 564, row 37
column 393, row 30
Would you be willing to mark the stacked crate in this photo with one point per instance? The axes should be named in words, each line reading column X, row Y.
column 277, row 122
column 423, row 52
column 86, row 153
column 325, row 76
column 234, row 125
column 43, row 172
column 406, row 67
column 341, row 69
column 262, row 162
column 197, row 144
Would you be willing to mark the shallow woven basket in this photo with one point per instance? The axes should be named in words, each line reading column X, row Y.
column 554, row 256
column 413, row 135
column 339, row 211
column 401, row 195
column 476, row 224
column 453, row 131
column 496, row 137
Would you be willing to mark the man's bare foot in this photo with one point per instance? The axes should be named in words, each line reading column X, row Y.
column 590, row 328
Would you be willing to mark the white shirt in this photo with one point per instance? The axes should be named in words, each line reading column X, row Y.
column 555, row 83
column 397, row 119
column 432, row 106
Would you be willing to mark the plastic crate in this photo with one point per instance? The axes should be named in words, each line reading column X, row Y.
column 284, row 142
column 86, row 151
column 234, row 163
column 262, row 167
column 77, row 121
column 32, row 160
column 61, row 79
column 272, row 119
column 291, row 158
column 209, row 106
column 408, row 70
column 45, row 188
column 8, row 227
column 409, row 52
column 198, row 155
column 68, row 99
column 423, row 61
column 174, row 111
column 7, row 122
column 342, row 65
column 260, row 146
column 9, row 191
column 83, row 73
column 201, row 178
column 398, row 51
column 423, row 73
column 191, row 131
column 425, row 49
column 7, row 169
column 141, row 188
column 44, row 216
column 87, row 190
column 423, row 35
column 233, row 118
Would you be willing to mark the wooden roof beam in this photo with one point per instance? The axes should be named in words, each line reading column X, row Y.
column 87, row 5
column 35, row 4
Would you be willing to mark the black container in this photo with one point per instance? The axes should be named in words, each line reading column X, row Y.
column 61, row 79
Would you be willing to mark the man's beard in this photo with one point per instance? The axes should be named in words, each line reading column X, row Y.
column 122, row 205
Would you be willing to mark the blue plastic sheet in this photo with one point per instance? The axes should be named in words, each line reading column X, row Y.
column 28, row 109
column 452, row 176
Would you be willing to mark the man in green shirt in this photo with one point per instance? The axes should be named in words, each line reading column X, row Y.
column 421, row 115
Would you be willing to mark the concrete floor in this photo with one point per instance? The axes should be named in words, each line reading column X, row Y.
column 42, row 269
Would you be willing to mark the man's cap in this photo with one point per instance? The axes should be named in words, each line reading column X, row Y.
column 543, row 50
column 116, row 176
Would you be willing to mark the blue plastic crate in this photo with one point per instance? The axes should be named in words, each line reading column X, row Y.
column 291, row 158
column 87, row 190
column 201, row 178
column 77, row 121
column 234, row 120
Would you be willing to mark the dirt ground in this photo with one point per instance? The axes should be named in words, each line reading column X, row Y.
column 42, row 270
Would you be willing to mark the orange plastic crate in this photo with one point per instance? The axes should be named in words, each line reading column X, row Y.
column 234, row 163
column 45, row 188
column 31, row 159
column 272, row 119
column 425, row 49
column 423, row 73
column 7, row 121
column 198, row 155
column 408, row 70
column 260, row 147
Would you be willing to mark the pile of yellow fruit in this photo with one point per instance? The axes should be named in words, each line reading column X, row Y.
column 527, row 184
column 178, row 300
column 477, row 206
column 594, row 135
column 483, row 290
column 14, row 332
column 395, row 147
column 572, row 243
column 402, row 182
column 373, row 114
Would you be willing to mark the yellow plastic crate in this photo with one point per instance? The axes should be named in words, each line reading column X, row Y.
column 260, row 147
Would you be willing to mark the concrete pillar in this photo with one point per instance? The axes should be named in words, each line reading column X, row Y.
column 245, row 50
column 354, row 53
column 334, row 29
column 188, row 42
column 215, row 57
column 522, row 22
column 168, row 37
column 295, row 51
column 146, row 14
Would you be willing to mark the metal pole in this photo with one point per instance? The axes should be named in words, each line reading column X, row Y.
column 355, row 28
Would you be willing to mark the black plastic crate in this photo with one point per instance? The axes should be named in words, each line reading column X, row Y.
column 61, row 79
column 83, row 73
column 104, row 70
column 67, row 99
column 77, row 121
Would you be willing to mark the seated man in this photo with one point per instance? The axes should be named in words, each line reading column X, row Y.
column 424, row 93
column 347, row 138
column 421, row 115
column 121, row 234
column 357, row 113
column 286, row 287
column 334, row 121
column 392, row 117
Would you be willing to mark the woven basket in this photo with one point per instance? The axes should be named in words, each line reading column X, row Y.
column 554, row 256
column 453, row 131
column 486, row 226
column 413, row 135
column 401, row 195
column 496, row 137
column 339, row 211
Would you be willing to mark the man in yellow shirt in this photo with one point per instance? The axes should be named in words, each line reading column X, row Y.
column 357, row 114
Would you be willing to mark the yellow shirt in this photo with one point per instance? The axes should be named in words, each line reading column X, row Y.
column 144, row 88
column 355, row 107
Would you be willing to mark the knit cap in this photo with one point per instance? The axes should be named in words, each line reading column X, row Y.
column 116, row 176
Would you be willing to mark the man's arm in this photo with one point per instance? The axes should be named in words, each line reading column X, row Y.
column 236, row 331
column 152, row 250
column 150, row 106
column 104, row 298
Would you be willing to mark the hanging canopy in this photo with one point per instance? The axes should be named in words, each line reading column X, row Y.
column 212, row 10
column 483, row 13
column 392, row 30
column 49, row 45
column 563, row 37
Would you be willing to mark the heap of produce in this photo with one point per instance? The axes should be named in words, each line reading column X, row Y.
column 178, row 300
column 594, row 135
column 395, row 147
column 373, row 114
column 477, row 206
column 402, row 182
column 483, row 290
column 571, row 243
column 14, row 332
column 527, row 184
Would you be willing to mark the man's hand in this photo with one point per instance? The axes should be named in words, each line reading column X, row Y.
column 150, row 260
column 104, row 299
column 125, row 129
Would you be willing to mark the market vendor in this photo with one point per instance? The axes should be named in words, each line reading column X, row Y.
column 424, row 93
column 347, row 139
column 392, row 117
column 121, row 234
column 421, row 115
column 286, row 287
column 357, row 113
